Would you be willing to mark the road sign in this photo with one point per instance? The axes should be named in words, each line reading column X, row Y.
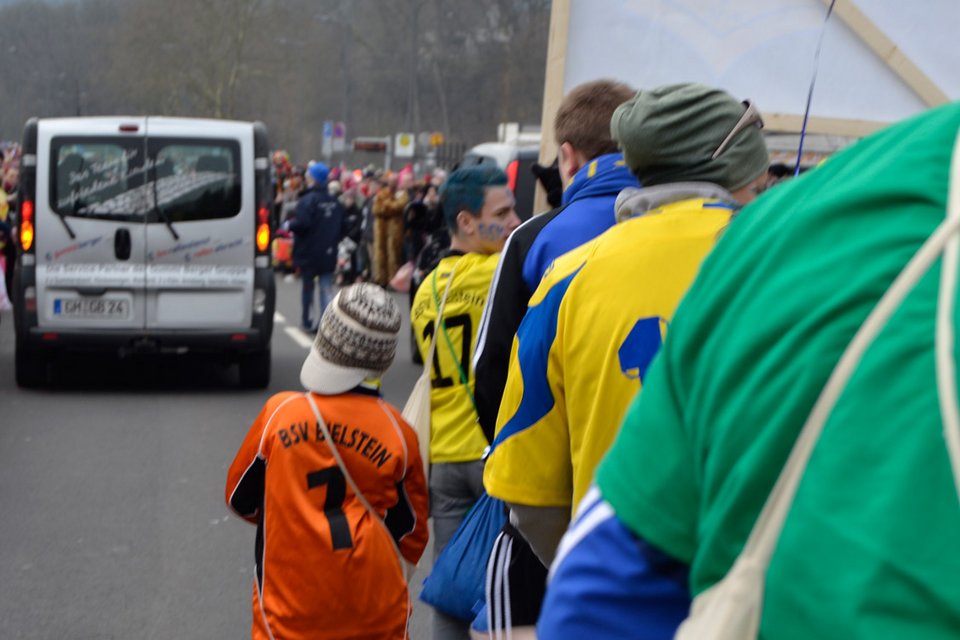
column 436, row 139
column 327, row 138
column 405, row 145
column 376, row 145
column 339, row 137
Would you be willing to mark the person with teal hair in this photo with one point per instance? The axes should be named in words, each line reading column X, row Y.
column 478, row 207
column 592, row 172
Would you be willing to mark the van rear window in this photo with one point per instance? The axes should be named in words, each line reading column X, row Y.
column 196, row 179
column 130, row 179
column 98, row 178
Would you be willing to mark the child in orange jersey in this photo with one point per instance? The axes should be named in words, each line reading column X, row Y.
column 326, row 568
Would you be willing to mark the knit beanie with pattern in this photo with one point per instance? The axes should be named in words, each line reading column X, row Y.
column 357, row 339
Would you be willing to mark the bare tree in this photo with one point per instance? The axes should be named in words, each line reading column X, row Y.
column 457, row 66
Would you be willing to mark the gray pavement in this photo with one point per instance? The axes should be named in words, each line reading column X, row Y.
column 113, row 523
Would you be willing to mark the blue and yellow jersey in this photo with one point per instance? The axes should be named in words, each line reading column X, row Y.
column 591, row 330
column 455, row 434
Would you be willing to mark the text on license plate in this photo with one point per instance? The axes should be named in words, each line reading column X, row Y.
column 91, row 307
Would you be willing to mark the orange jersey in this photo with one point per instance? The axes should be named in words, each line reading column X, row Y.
column 325, row 568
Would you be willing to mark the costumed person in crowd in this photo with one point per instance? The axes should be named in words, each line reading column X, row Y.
column 293, row 187
column 282, row 170
column 310, row 471
column 6, row 243
column 598, row 317
column 421, row 219
column 8, row 201
column 283, row 240
column 593, row 170
column 868, row 545
column 317, row 229
column 388, row 206
column 335, row 188
column 434, row 249
column 348, row 251
column 479, row 210
column 368, row 189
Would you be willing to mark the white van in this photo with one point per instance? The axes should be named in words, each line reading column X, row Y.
column 516, row 159
column 144, row 235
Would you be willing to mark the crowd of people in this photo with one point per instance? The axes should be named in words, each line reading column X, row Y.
column 700, row 408
column 10, row 154
column 339, row 226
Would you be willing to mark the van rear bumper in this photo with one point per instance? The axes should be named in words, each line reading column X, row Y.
column 131, row 342
column 254, row 338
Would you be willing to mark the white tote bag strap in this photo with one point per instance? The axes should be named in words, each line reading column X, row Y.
column 767, row 530
column 945, row 340
column 424, row 427
column 733, row 604
column 353, row 485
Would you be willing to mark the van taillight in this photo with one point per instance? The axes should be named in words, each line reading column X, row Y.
column 26, row 225
column 512, row 169
column 263, row 229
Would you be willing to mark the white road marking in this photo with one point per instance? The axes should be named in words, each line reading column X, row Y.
column 279, row 319
column 299, row 337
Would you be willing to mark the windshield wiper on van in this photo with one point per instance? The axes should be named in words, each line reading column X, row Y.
column 63, row 219
column 166, row 219
column 168, row 222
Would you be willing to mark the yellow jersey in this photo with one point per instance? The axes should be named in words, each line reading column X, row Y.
column 591, row 330
column 456, row 435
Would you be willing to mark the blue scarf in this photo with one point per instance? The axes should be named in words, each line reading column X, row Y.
column 605, row 175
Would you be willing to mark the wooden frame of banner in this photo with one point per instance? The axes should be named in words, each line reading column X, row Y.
column 887, row 50
column 847, row 10
column 552, row 89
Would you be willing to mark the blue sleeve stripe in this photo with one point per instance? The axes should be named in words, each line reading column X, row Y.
column 592, row 516
column 611, row 584
column 535, row 337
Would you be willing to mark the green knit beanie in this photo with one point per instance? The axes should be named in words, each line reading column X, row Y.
column 669, row 134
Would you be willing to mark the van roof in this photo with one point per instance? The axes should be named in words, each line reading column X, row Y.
column 503, row 152
column 158, row 125
column 84, row 120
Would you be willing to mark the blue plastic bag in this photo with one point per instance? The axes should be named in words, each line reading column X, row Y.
column 456, row 583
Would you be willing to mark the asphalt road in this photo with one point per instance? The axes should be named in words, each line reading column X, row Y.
column 113, row 524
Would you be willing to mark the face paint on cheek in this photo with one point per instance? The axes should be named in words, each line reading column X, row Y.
column 491, row 232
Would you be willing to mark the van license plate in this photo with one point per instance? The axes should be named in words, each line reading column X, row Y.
column 91, row 308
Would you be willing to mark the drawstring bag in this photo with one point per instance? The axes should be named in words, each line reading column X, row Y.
column 417, row 414
column 731, row 609
column 456, row 583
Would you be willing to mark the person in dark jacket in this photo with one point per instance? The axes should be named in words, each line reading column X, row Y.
column 594, row 173
column 348, row 251
column 421, row 219
column 317, row 229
